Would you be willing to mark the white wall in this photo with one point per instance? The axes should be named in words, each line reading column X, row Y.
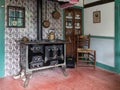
column 106, row 27
column 89, row 1
column 104, row 50
column 83, row 2
column 80, row 3
column 104, row 47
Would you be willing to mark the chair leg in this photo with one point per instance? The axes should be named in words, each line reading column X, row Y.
column 93, row 53
column 94, row 59
column 77, row 60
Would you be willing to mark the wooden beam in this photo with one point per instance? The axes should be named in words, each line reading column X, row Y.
column 97, row 3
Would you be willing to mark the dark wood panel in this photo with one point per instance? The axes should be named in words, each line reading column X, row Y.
column 73, row 27
column 97, row 3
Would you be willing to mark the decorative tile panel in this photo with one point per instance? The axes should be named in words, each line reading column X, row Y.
column 12, row 48
column 55, row 24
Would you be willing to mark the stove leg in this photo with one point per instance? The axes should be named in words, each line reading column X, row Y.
column 64, row 70
column 26, row 78
column 17, row 76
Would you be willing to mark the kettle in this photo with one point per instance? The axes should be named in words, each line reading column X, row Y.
column 51, row 36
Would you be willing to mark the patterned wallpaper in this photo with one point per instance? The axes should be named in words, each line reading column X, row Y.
column 12, row 52
column 55, row 24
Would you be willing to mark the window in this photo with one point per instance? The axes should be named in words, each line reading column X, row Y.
column 15, row 16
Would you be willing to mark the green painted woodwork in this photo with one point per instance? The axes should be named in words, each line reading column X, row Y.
column 78, row 7
column 117, row 36
column 117, row 1
column 105, row 67
column 101, row 37
column 2, row 23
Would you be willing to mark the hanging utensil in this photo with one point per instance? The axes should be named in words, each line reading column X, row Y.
column 55, row 13
column 46, row 22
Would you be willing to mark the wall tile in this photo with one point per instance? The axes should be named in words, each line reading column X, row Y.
column 12, row 52
column 12, row 49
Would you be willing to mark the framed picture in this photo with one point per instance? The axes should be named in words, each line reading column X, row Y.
column 15, row 16
column 96, row 17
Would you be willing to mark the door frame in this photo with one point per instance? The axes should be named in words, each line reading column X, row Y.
column 117, row 36
column 2, row 29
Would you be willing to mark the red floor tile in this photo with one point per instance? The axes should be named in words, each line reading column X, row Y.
column 77, row 79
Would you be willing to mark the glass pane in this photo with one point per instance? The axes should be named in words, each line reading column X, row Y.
column 19, row 22
column 17, row 13
column 11, row 12
column 20, row 13
column 12, row 22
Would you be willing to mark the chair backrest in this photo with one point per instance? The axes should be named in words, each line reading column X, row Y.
column 83, row 41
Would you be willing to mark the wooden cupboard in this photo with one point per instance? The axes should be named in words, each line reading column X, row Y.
column 72, row 28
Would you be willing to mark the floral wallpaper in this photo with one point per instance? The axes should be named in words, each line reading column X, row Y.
column 12, row 48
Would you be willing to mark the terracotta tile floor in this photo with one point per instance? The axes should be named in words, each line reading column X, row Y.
column 77, row 79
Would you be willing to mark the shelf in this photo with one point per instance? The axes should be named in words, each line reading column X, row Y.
column 73, row 27
column 69, row 17
column 77, row 17
column 69, row 27
column 77, row 27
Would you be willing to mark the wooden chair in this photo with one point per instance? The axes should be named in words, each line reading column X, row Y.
column 85, row 55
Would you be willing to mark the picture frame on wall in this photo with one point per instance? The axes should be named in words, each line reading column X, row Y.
column 96, row 16
column 15, row 17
